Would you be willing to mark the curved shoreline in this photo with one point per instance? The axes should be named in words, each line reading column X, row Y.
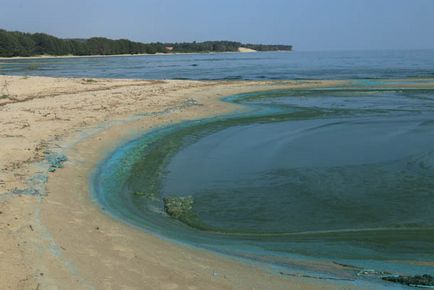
column 275, row 281
column 124, row 150
column 62, row 239
column 53, row 235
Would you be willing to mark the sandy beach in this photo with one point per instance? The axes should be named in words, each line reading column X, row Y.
column 54, row 237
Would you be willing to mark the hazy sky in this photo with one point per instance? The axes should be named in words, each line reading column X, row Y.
column 307, row 24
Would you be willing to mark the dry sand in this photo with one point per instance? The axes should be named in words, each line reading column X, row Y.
column 245, row 49
column 58, row 238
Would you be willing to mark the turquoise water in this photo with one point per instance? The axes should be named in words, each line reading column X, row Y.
column 343, row 175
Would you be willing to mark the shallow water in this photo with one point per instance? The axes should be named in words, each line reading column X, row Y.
column 303, row 177
column 235, row 66
column 344, row 175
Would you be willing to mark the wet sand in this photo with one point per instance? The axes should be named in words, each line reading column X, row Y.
column 53, row 236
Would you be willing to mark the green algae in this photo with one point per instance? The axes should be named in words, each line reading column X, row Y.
column 183, row 214
column 147, row 195
column 178, row 207
column 55, row 160
column 181, row 208
column 420, row 281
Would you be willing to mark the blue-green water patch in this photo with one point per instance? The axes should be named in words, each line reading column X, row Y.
column 337, row 175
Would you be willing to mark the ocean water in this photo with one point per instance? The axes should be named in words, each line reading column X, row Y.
column 227, row 66
column 342, row 175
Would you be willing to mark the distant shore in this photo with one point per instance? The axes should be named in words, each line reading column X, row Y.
column 109, row 55
column 15, row 43
column 134, row 55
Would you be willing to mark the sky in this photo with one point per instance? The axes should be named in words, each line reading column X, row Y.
column 306, row 24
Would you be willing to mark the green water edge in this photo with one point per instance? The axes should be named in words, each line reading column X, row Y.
column 157, row 148
column 158, row 152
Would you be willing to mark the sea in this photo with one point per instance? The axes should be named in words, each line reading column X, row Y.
column 299, row 178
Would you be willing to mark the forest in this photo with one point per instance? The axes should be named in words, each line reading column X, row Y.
column 14, row 43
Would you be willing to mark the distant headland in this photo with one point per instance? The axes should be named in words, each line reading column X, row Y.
column 20, row 44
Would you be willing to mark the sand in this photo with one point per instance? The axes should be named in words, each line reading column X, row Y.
column 245, row 49
column 57, row 238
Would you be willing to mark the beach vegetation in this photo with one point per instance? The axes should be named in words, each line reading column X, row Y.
column 14, row 43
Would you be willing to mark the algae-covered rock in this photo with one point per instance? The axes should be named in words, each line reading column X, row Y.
column 417, row 281
column 55, row 160
column 178, row 207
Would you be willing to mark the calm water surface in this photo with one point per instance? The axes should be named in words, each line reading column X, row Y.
column 256, row 66
column 343, row 174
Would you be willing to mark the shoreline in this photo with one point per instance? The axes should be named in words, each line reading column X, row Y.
column 39, row 57
column 58, row 237
column 294, row 261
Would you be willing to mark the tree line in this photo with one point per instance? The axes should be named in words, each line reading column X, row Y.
column 14, row 43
